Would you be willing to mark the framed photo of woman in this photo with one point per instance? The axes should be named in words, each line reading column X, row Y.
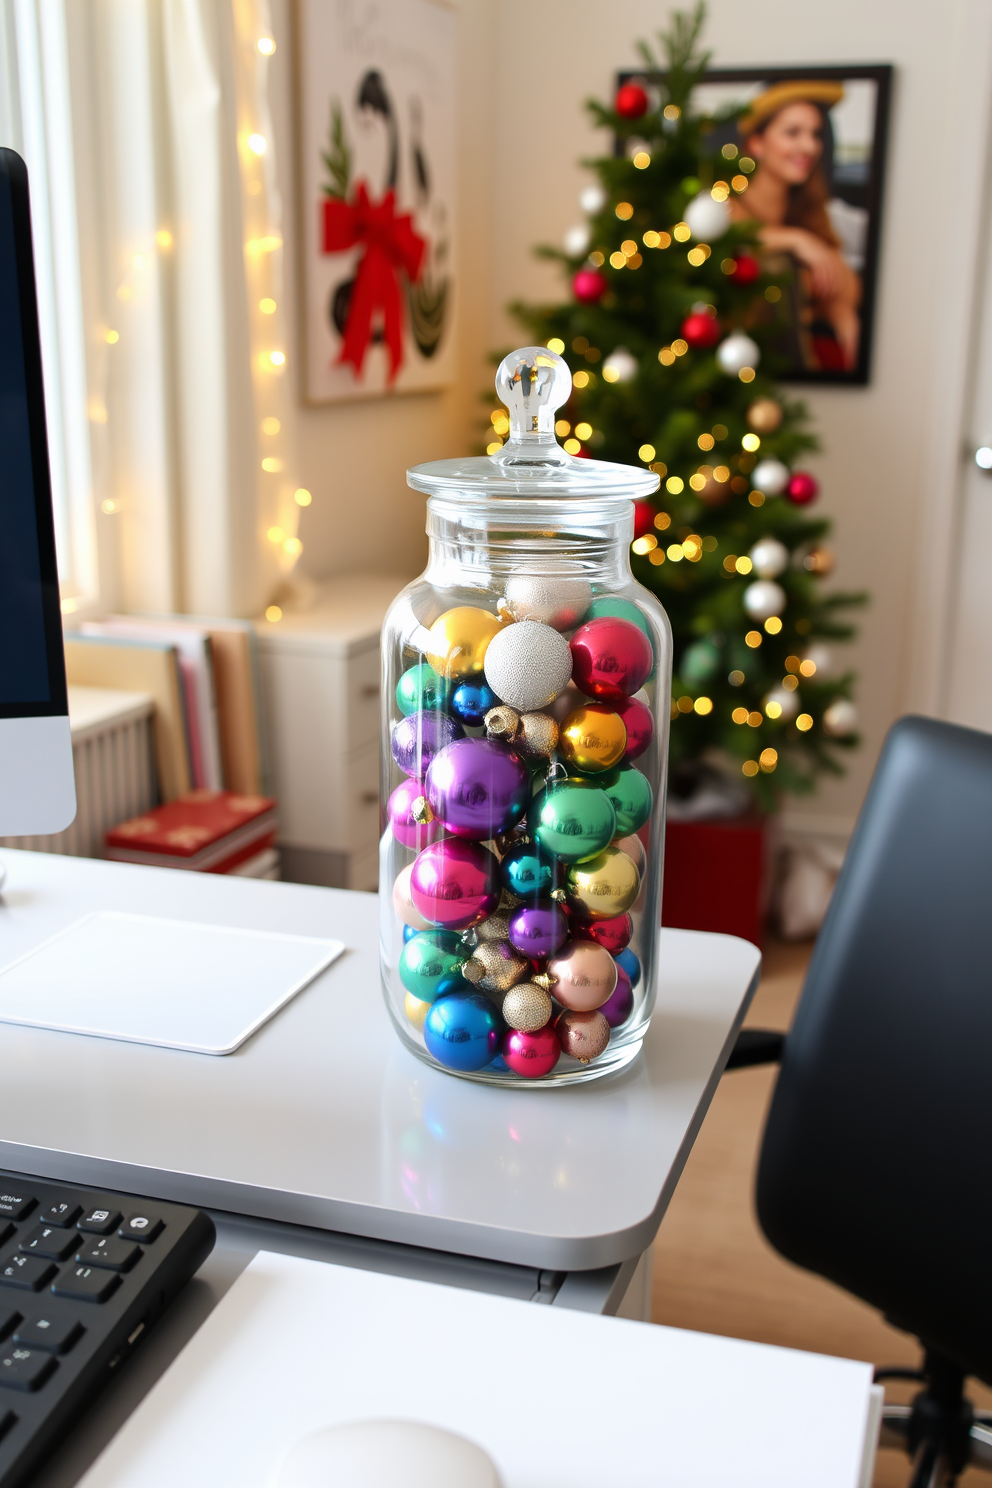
column 813, row 140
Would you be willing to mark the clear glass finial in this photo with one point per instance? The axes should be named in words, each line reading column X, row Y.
column 534, row 383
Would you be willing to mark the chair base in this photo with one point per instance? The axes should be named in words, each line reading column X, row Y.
column 941, row 1430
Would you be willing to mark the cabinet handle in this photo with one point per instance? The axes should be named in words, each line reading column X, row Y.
column 370, row 690
column 369, row 798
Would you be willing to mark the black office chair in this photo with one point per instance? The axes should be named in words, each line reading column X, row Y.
column 875, row 1163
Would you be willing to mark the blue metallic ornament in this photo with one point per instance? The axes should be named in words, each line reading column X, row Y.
column 528, row 870
column 471, row 701
column 409, row 931
column 462, row 1032
column 630, row 964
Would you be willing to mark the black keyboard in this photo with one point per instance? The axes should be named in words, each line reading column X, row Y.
column 84, row 1274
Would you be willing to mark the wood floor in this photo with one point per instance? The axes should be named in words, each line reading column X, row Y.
column 713, row 1269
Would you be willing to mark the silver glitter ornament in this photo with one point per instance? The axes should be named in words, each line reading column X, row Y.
column 528, row 665
column 527, row 1007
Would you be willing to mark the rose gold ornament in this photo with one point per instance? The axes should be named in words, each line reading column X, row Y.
column 583, row 1035
column 582, row 975
column 634, row 848
column 495, row 966
column 527, row 1007
column 404, row 905
column 764, row 415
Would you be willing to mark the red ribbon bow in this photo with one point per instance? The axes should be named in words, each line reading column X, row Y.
column 391, row 246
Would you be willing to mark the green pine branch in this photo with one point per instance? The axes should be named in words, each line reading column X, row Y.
column 337, row 157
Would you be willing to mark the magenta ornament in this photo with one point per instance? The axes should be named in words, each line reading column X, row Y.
column 639, row 724
column 407, row 829
column 455, row 884
column 419, row 737
column 538, row 930
column 589, row 286
column 802, row 488
column 620, row 1004
column 478, row 788
column 531, row 1055
column 611, row 658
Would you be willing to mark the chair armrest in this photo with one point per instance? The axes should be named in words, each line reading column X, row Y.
column 756, row 1046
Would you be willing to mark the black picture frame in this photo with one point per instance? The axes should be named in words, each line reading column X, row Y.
column 859, row 185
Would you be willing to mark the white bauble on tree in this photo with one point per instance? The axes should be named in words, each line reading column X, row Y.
column 737, row 351
column 592, row 199
column 763, row 599
column 769, row 557
column 841, row 719
column 576, row 240
column 620, row 366
column 707, row 219
column 770, row 476
column 822, row 658
column 788, row 703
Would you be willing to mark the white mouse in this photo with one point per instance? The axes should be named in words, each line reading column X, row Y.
column 384, row 1454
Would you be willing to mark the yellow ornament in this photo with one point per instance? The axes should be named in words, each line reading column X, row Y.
column 593, row 738
column 603, row 886
column 458, row 641
column 416, row 1010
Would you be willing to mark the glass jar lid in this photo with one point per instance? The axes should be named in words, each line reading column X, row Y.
column 533, row 383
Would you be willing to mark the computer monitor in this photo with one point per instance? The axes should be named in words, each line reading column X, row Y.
column 37, row 789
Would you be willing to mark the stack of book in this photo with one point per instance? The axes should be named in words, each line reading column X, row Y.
column 208, row 831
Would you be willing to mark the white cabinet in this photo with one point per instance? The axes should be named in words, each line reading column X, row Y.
column 320, row 697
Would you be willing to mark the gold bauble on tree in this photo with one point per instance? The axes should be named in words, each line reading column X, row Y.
column 764, row 415
column 459, row 639
column 820, row 562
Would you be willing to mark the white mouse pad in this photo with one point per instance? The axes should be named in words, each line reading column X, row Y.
column 205, row 988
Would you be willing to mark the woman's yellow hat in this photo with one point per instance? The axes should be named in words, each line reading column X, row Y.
column 768, row 103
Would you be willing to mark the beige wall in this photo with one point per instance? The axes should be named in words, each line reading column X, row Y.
column 892, row 457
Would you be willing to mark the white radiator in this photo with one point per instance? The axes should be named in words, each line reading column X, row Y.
column 114, row 768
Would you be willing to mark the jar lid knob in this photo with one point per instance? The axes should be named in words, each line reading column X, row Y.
column 534, row 383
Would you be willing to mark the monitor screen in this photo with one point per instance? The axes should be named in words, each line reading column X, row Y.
column 32, row 669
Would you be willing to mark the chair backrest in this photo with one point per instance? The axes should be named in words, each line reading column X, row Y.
column 875, row 1164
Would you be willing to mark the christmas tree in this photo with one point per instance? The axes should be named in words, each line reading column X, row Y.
column 670, row 329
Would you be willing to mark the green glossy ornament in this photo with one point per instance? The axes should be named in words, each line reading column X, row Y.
column 573, row 820
column 631, row 795
column 699, row 662
column 420, row 690
column 429, row 961
column 619, row 609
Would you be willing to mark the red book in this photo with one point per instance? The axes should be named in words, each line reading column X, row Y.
column 209, row 831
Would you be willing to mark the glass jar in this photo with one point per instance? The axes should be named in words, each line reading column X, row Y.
column 526, row 697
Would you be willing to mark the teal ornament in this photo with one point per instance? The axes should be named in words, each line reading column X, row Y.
column 573, row 820
column 463, row 1032
column 619, row 609
column 528, row 870
column 421, row 690
column 631, row 796
column 429, row 961
column 699, row 662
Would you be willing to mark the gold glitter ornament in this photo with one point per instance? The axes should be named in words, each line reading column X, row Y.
column 416, row 1010
column 527, row 1007
column 593, row 738
column 537, row 735
column 603, row 886
column 495, row 966
column 497, row 927
column 458, row 641
column 502, row 723
column 583, row 1035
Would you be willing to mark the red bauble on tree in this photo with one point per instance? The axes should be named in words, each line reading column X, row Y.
column 746, row 269
column 588, row 286
column 644, row 515
column 701, row 330
column 802, row 488
column 631, row 101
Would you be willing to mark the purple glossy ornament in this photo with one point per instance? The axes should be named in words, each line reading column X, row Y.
column 531, row 1055
column 478, row 788
column 620, row 1004
column 406, row 811
column 455, row 884
column 538, row 930
column 419, row 737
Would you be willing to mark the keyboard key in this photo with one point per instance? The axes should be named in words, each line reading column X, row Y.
column 15, row 1206
column 114, row 1254
column 25, row 1369
column 64, row 1213
column 30, row 1273
column 7, row 1420
column 8, row 1322
column 54, row 1244
column 144, row 1227
column 6, row 1230
column 56, row 1335
column 86, row 1284
column 99, row 1222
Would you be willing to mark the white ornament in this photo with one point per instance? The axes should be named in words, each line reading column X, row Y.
column 769, row 557
column 576, row 240
column 707, row 219
column 771, row 477
column 788, row 703
column 822, row 658
column 761, row 600
column 592, row 199
column 841, row 719
column 528, row 665
column 737, row 351
column 620, row 366
column 554, row 599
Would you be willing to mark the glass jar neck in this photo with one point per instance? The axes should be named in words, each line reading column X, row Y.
column 472, row 540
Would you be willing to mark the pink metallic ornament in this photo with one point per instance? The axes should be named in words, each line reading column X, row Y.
column 412, row 821
column 611, row 658
column 531, row 1055
column 639, row 724
column 403, row 903
column 582, row 976
column 583, row 1035
column 455, row 884
column 612, row 934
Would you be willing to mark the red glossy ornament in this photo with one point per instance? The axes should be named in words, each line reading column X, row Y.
column 701, row 330
column 644, row 515
column 746, row 269
column 802, row 488
column 631, row 101
column 639, row 724
column 612, row 934
column 531, row 1055
column 611, row 658
column 589, row 286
